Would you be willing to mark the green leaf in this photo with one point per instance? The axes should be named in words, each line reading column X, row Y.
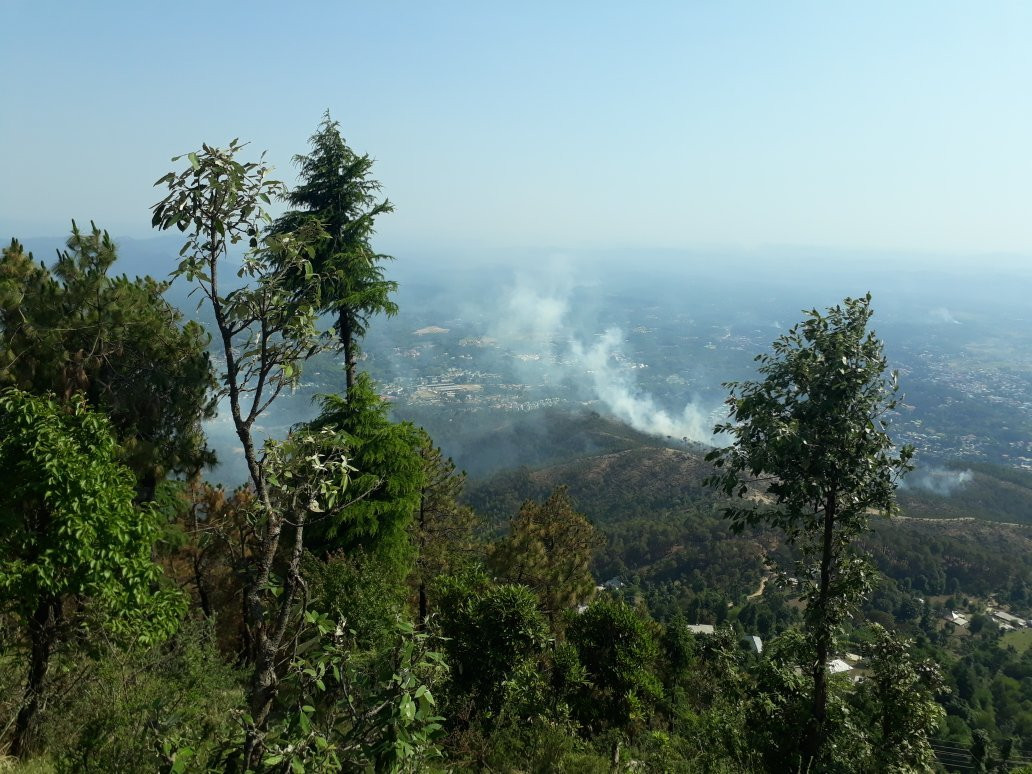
column 408, row 708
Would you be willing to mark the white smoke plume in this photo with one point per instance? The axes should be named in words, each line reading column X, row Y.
column 615, row 388
column 940, row 481
column 943, row 315
column 534, row 310
column 539, row 310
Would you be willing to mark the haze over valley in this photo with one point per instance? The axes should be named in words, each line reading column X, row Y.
column 544, row 387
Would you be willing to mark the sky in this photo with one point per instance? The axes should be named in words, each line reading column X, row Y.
column 580, row 125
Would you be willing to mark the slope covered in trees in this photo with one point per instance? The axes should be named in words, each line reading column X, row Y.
column 358, row 606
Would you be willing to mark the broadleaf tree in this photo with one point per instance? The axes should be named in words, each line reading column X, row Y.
column 810, row 438
column 899, row 699
column 267, row 328
column 71, row 537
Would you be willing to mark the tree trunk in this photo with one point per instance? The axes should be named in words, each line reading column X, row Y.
column 816, row 730
column 147, row 486
column 202, row 586
column 420, row 563
column 423, row 608
column 265, row 679
column 42, row 634
column 347, row 340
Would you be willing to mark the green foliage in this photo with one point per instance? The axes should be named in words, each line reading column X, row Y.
column 660, row 524
column 69, row 533
column 338, row 709
column 813, row 434
column 268, row 328
column 360, row 591
column 68, row 524
column 338, row 196
column 76, row 329
column 618, row 649
column 386, row 483
column 549, row 548
column 540, row 746
column 900, row 696
column 780, row 705
column 491, row 632
column 443, row 528
column 126, row 709
column 307, row 474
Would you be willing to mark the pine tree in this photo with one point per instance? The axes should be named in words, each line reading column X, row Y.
column 443, row 527
column 549, row 548
column 76, row 329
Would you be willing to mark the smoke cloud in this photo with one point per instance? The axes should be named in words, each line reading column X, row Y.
column 943, row 315
column 616, row 389
column 538, row 314
column 940, row 481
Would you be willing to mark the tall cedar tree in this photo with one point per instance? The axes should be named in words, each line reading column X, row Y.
column 71, row 538
column 386, row 483
column 76, row 329
column 812, row 436
column 337, row 192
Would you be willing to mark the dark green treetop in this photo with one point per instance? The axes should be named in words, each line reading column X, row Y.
column 492, row 631
column 75, row 329
column 618, row 648
column 387, row 481
column 337, row 192
column 549, row 548
column 443, row 530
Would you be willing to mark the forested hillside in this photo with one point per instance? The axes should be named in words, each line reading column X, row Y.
column 624, row 602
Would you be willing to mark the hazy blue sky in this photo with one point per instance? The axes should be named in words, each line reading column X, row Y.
column 565, row 124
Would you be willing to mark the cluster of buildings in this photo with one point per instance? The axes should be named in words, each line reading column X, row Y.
column 1003, row 619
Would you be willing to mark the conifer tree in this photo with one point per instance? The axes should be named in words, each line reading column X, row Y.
column 549, row 548
column 443, row 527
column 337, row 192
column 386, row 483
column 76, row 329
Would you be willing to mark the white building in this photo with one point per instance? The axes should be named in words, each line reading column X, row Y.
column 1008, row 620
column 701, row 628
column 956, row 618
column 837, row 666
